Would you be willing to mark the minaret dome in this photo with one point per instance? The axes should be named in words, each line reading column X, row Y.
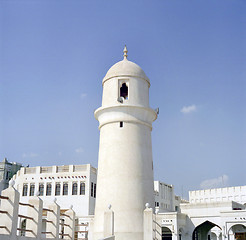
column 125, row 68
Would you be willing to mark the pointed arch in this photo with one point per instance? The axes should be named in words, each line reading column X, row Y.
column 202, row 230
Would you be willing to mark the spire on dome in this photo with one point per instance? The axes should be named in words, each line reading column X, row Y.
column 125, row 52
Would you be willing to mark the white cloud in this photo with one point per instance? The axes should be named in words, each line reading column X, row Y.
column 188, row 109
column 59, row 153
column 29, row 155
column 79, row 150
column 83, row 95
column 215, row 182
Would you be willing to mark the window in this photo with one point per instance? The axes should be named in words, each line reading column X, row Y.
column 32, row 189
column 92, row 189
column 82, row 188
column 23, row 227
column 65, row 189
column 121, row 124
column 75, row 189
column 24, row 191
column 237, row 209
column 48, row 189
column 124, row 91
column 58, row 189
column 62, row 228
column 41, row 189
column 95, row 186
column 7, row 176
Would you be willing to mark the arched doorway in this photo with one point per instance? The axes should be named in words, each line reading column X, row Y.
column 201, row 232
column 237, row 232
column 166, row 233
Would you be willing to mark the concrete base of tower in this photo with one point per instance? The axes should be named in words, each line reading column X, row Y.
column 123, row 225
column 120, row 236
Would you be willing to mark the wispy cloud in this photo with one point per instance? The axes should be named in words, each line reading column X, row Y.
column 59, row 153
column 215, row 182
column 29, row 155
column 79, row 150
column 188, row 109
column 83, row 95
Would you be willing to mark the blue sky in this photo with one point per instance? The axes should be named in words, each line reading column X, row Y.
column 54, row 55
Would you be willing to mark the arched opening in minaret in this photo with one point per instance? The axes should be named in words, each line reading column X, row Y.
column 124, row 91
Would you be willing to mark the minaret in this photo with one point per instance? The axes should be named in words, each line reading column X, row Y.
column 125, row 165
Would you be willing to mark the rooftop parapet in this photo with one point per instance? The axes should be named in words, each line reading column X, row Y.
column 59, row 169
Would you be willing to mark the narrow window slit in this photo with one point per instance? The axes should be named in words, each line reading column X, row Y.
column 121, row 124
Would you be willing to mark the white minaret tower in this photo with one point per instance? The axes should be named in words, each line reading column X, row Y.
column 125, row 165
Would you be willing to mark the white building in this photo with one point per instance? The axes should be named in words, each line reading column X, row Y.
column 69, row 184
column 223, row 219
column 165, row 199
column 197, row 220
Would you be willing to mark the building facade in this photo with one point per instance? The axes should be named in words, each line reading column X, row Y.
column 172, row 218
column 165, row 199
column 69, row 184
column 201, row 219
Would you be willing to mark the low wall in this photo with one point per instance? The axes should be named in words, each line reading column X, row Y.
column 108, row 238
column 12, row 223
column 7, row 237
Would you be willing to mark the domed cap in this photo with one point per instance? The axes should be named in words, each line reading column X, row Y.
column 125, row 68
